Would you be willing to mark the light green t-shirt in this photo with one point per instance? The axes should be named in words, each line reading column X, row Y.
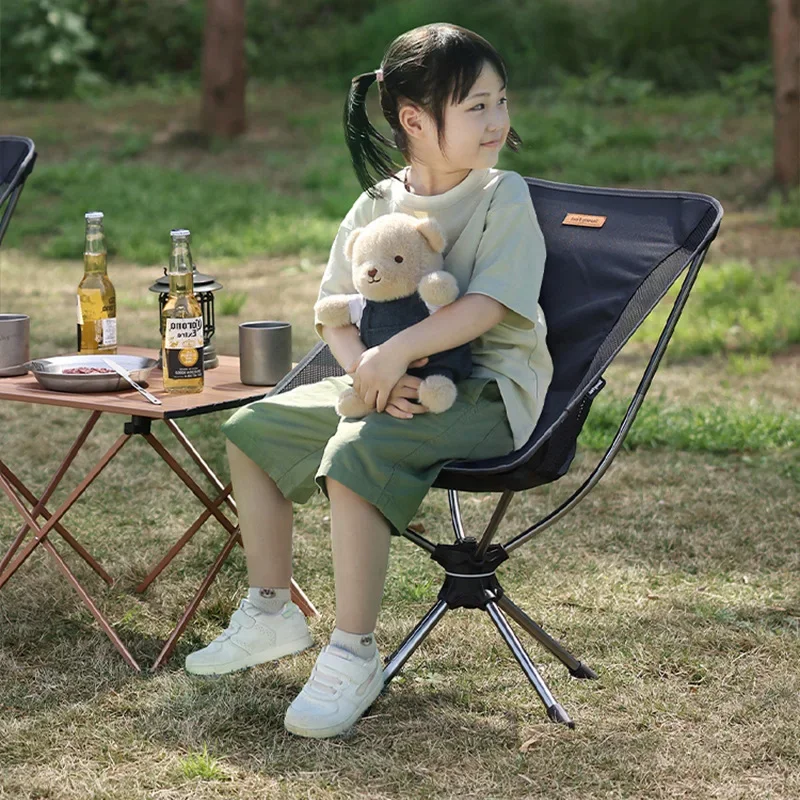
column 494, row 246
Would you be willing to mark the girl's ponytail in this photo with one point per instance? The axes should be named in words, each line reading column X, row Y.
column 366, row 144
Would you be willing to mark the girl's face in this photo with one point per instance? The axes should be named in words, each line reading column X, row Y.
column 474, row 130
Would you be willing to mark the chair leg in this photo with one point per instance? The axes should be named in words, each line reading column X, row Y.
column 554, row 711
column 576, row 668
column 394, row 663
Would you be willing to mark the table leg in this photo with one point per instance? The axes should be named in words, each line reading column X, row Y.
column 176, row 548
column 190, row 483
column 51, row 487
column 41, row 533
column 40, row 538
column 299, row 597
column 60, row 529
column 198, row 459
column 172, row 640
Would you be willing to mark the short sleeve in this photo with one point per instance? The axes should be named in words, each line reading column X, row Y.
column 357, row 305
column 509, row 262
column 338, row 276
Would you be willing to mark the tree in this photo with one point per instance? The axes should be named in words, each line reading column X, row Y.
column 785, row 35
column 224, row 71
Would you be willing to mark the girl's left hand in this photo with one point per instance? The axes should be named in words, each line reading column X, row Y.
column 378, row 370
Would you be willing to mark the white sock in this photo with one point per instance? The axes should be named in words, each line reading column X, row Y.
column 359, row 644
column 269, row 600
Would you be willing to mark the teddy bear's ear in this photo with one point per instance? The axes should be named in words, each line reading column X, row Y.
column 350, row 243
column 433, row 234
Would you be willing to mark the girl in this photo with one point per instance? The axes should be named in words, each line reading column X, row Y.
column 442, row 91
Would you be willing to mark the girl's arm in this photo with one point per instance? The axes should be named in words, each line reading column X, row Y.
column 345, row 344
column 379, row 368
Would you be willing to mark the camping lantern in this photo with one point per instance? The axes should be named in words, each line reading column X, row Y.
column 204, row 288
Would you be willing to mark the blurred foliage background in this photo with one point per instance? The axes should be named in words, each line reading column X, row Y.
column 60, row 48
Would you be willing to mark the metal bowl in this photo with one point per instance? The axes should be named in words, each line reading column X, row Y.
column 50, row 372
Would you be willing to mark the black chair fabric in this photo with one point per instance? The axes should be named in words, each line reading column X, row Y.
column 17, row 157
column 599, row 285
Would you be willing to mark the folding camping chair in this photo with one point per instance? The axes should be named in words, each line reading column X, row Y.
column 611, row 256
column 17, row 157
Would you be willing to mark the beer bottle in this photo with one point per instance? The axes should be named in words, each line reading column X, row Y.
column 182, row 323
column 97, row 300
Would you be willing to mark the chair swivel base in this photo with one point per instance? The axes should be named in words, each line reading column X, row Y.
column 470, row 582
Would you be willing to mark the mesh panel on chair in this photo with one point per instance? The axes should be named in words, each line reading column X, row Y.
column 317, row 365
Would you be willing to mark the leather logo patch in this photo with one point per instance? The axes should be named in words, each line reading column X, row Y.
column 584, row 220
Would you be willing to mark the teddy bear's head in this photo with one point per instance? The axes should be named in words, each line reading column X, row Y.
column 392, row 254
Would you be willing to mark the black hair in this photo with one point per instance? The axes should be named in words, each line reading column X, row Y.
column 429, row 66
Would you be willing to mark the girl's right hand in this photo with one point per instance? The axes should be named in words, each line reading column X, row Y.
column 406, row 390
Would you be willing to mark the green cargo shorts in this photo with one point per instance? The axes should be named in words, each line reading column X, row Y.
column 299, row 440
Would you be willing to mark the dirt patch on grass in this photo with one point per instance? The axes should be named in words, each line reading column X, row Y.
column 751, row 236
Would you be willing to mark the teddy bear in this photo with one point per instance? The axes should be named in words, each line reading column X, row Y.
column 397, row 265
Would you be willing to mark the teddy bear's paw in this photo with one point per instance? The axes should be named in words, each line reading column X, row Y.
column 437, row 393
column 438, row 288
column 350, row 404
column 333, row 311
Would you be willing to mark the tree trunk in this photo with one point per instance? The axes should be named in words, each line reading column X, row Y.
column 785, row 35
column 224, row 74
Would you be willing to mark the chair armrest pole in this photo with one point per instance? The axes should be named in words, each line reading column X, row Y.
column 11, row 205
column 630, row 414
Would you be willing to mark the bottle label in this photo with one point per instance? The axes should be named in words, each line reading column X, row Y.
column 183, row 347
column 97, row 322
column 109, row 330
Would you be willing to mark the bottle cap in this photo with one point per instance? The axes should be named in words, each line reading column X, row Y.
column 94, row 216
column 180, row 233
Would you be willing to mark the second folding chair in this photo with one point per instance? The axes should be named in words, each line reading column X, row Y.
column 17, row 157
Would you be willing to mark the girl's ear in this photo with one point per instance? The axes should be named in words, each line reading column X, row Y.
column 350, row 243
column 411, row 120
column 433, row 234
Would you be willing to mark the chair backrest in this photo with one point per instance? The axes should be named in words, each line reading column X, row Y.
column 599, row 284
column 17, row 157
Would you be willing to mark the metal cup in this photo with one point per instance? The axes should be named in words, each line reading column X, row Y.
column 14, row 344
column 265, row 352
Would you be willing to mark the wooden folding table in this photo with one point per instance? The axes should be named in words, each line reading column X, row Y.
column 223, row 390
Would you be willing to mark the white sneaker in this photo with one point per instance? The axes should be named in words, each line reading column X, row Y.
column 341, row 688
column 251, row 638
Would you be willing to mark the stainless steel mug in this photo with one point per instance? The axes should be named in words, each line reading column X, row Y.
column 14, row 344
column 265, row 352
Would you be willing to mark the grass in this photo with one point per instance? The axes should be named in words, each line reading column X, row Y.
column 756, row 434
column 284, row 187
column 736, row 308
column 202, row 765
column 676, row 578
column 231, row 304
